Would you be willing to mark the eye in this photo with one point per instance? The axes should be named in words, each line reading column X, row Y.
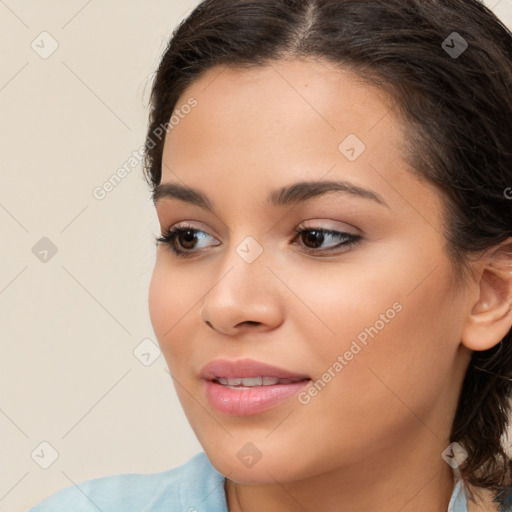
column 182, row 239
column 317, row 236
column 182, row 233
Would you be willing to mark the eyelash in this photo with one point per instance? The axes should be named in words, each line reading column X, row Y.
column 169, row 238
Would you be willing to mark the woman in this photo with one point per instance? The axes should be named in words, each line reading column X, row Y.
column 332, row 288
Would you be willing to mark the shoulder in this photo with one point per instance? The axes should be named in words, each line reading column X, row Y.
column 193, row 485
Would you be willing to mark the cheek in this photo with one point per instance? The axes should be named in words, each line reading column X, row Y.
column 390, row 326
column 158, row 302
column 172, row 296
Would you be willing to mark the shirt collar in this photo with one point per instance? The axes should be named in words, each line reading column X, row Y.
column 458, row 501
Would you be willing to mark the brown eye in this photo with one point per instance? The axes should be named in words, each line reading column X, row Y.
column 182, row 240
column 188, row 237
column 313, row 238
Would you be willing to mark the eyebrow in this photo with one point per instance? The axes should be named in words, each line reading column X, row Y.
column 290, row 194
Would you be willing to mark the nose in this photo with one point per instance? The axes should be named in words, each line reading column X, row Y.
column 244, row 297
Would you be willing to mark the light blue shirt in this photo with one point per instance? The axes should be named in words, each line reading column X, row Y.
column 195, row 486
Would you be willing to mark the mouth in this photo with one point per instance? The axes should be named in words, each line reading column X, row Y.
column 243, row 400
column 251, row 382
column 247, row 387
column 245, row 369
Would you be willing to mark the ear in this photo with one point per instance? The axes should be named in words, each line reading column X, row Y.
column 490, row 318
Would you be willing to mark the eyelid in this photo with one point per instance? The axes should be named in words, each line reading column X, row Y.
column 330, row 225
column 186, row 225
column 312, row 223
column 192, row 224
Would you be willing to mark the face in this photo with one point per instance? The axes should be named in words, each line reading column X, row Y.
column 359, row 300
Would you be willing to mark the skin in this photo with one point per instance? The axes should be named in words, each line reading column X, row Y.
column 375, row 433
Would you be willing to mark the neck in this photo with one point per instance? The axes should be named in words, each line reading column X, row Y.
column 411, row 481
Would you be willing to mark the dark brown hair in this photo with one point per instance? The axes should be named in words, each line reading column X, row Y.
column 458, row 111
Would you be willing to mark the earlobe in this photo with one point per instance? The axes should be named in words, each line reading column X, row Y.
column 490, row 318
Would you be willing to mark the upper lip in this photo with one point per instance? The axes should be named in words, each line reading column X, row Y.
column 244, row 368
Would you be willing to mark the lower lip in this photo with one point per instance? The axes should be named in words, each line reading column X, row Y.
column 246, row 401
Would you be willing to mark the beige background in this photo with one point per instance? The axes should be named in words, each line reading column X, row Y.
column 69, row 325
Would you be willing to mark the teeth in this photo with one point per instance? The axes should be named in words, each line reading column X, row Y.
column 253, row 381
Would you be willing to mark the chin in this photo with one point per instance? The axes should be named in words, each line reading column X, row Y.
column 264, row 471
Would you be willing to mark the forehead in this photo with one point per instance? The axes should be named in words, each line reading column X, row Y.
column 286, row 119
column 280, row 106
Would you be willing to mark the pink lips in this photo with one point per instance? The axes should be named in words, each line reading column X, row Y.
column 242, row 401
column 245, row 368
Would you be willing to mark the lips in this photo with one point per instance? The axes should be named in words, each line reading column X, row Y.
column 246, row 368
column 246, row 387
